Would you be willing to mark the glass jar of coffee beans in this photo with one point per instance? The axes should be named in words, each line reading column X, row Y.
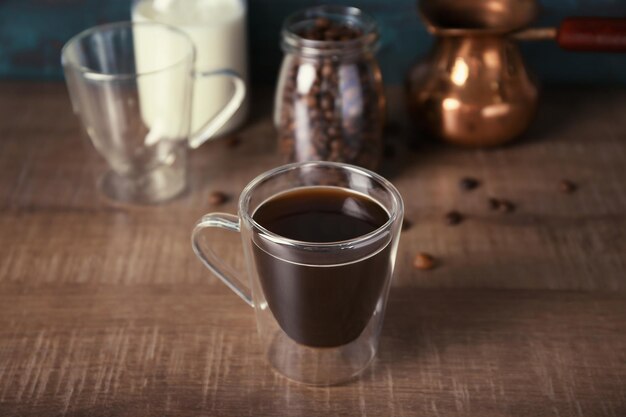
column 330, row 103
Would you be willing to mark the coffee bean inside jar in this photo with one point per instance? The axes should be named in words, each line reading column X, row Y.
column 329, row 101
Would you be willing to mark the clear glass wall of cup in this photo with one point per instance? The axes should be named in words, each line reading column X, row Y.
column 297, row 360
column 131, row 86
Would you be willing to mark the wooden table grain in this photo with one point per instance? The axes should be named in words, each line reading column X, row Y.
column 104, row 311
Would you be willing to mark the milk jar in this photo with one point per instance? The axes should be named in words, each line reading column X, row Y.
column 218, row 30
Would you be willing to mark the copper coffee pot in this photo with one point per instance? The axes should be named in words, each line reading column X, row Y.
column 474, row 89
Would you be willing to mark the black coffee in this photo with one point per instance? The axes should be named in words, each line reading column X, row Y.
column 329, row 305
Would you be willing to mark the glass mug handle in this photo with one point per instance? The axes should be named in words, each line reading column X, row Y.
column 208, row 257
column 207, row 131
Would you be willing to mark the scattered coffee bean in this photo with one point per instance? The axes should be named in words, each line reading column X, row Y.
column 506, row 206
column 494, row 203
column 406, row 224
column 469, row 183
column 454, row 218
column 502, row 205
column 233, row 141
column 217, row 198
column 567, row 186
column 340, row 117
column 423, row 261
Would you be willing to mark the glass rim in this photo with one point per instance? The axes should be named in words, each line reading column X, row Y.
column 244, row 200
column 103, row 76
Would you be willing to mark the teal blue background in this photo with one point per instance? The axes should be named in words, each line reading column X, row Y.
column 32, row 33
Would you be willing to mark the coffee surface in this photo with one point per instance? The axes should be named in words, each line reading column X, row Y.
column 329, row 305
column 321, row 215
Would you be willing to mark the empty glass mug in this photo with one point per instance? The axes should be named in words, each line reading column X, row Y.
column 131, row 85
column 319, row 304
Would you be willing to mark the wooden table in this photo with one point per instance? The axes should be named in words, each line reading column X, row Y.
column 104, row 311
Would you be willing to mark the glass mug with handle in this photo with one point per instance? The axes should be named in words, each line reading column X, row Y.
column 131, row 85
column 319, row 298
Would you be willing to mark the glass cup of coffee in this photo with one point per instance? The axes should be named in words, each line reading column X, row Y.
column 131, row 85
column 320, row 242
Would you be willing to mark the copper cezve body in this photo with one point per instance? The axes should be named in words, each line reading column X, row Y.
column 473, row 88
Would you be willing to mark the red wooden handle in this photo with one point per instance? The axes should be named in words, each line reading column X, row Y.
column 593, row 34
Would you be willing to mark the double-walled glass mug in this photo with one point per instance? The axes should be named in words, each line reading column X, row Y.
column 319, row 305
column 131, row 85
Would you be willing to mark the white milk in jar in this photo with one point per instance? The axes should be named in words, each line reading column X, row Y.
column 218, row 30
